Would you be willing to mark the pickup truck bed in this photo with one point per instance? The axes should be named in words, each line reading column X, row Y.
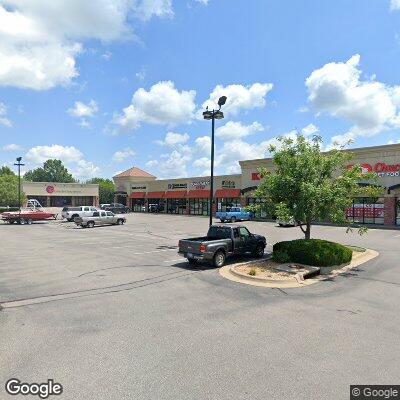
column 222, row 241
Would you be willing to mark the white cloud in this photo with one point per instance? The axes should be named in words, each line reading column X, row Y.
column 69, row 155
column 106, row 56
column 40, row 40
column 3, row 116
column 84, row 110
column 239, row 97
column 203, row 145
column 309, row 130
column 394, row 5
column 11, row 147
column 141, row 75
column 202, row 162
column 369, row 106
column 172, row 139
column 121, row 155
column 204, row 2
column 146, row 9
column 161, row 105
column 235, row 130
column 174, row 164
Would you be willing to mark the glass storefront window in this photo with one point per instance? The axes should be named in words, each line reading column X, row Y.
column 83, row 201
column 41, row 199
column 138, row 205
column 61, row 201
column 176, row 206
column 366, row 211
column 199, row 206
column 225, row 204
column 156, row 205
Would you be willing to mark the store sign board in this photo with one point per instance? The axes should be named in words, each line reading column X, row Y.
column 177, row 186
column 199, row 184
column 380, row 169
column 139, row 188
column 49, row 189
column 228, row 184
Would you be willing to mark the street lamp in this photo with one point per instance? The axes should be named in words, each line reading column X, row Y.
column 19, row 165
column 213, row 115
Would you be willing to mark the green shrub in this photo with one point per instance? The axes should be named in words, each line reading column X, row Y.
column 280, row 256
column 253, row 272
column 321, row 253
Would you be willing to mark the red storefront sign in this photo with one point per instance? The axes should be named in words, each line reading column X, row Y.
column 50, row 189
column 381, row 169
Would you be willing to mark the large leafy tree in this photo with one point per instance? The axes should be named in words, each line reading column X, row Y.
column 52, row 171
column 9, row 190
column 6, row 171
column 310, row 185
column 106, row 189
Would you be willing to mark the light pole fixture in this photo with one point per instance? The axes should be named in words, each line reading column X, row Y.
column 19, row 165
column 213, row 115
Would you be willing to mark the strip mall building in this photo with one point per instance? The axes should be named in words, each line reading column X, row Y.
column 143, row 192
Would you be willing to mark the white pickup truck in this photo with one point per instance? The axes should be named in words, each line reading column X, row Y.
column 70, row 213
column 100, row 218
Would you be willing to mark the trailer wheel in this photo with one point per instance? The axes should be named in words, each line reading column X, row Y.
column 22, row 221
column 29, row 221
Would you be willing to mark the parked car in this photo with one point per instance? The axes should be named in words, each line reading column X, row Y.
column 221, row 242
column 156, row 208
column 290, row 222
column 234, row 214
column 100, row 218
column 69, row 213
column 116, row 208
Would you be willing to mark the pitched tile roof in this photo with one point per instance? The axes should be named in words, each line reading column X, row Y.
column 136, row 172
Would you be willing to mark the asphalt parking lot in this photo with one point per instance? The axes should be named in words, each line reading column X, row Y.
column 113, row 312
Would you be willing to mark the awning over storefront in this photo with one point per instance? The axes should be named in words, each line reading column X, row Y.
column 155, row 195
column 137, row 195
column 175, row 194
column 227, row 193
column 199, row 194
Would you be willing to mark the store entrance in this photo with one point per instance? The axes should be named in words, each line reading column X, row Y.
column 176, row 206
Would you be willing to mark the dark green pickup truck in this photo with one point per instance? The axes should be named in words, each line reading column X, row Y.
column 222, row 241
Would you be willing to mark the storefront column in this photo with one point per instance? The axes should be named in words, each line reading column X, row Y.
column 187, row 207
column 390, row 210
column 96, row 202
column 48, row 204
column 214, row 207
column 243, row 201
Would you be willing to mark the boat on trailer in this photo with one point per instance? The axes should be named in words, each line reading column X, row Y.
column 33, row 212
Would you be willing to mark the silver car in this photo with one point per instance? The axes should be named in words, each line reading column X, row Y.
column 100, row 218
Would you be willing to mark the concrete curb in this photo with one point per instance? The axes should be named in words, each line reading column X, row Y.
column 229, row 273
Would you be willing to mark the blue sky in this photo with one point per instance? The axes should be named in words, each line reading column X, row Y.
column 116, row 83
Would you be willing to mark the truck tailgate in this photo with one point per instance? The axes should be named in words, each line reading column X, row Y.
column 190, row 245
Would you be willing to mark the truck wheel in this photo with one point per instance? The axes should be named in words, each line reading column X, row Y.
column 120, row 222
column 222, row 220
column 72, row 219
column 233, row 219
column 219, row 259
column 90, row 224
column 192, row 261
column 259, row 251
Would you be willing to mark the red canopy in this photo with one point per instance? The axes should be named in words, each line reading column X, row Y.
column 199, row 194
column 137, row 195
column 155, row 195
column 175, row 194
column 227, row 193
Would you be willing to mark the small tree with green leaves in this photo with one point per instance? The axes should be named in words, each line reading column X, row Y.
column 309, row 185
column 52, row 171
column 106, row 189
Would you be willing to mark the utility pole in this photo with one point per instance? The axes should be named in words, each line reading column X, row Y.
column 19, row 165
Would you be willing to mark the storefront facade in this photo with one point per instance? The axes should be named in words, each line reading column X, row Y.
column 51, row 194
column 145, row 193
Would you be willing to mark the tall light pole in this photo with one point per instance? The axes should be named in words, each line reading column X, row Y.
column 19, row 165
column 213, row 115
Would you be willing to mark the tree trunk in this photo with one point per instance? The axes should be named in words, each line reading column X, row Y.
column 307, row 233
